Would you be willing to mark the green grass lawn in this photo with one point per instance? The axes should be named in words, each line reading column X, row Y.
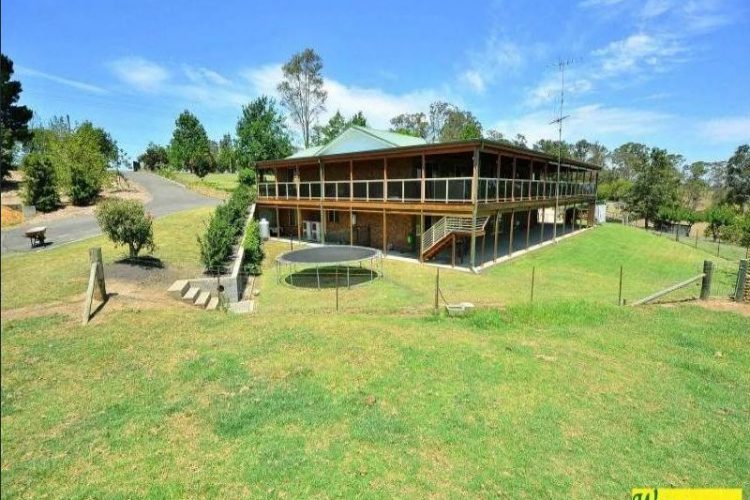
column 215, row 184
column 584, row 267
column 57, row 274
column 572, row 399
column 570, row 396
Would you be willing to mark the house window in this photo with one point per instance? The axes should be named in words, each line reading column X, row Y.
column 333, row 216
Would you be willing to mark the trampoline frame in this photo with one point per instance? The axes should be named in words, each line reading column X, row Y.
column 290, row 268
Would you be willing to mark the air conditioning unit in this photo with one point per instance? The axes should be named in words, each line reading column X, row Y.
column 312, row 230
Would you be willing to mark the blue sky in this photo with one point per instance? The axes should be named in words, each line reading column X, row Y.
column 668, row 73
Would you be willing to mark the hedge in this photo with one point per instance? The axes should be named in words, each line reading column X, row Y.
column 223, row 229
column 253, row 249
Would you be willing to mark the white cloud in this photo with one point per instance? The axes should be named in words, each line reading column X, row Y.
column 726, row 130
column 140, row 73
column 377, row 105
column 639, row 51
column 594, row 122
column 87, row 87
column 549, row 90
column 496, row 58
column 202, row 75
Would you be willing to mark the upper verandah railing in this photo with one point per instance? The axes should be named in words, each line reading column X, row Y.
column 440, row 190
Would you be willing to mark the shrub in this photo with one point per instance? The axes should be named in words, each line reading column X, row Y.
column 253, row 249
column 40, row 183
column 125, row 222
column 85, row 185
column 225, row 225
column 247, row 176
column 216, row 243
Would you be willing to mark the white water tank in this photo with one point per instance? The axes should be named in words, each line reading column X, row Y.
column 265, row 230
column 601, row 213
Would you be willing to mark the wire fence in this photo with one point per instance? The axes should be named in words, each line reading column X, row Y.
column 714, row 247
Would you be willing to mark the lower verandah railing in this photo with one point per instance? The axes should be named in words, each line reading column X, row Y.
column 447, row 190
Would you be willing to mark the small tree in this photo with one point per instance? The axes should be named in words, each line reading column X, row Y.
column 719, row 217
column 14, row 119
column 125, row 222
column 154, row 157
column 41, row 186
column 189, row 143
column 302, row 90
column 247, row 176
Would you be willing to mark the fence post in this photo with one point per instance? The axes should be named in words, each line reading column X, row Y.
column 739, row 289
column 337, row 289
column 619, row 295
column 708, row 271
column 437, row 288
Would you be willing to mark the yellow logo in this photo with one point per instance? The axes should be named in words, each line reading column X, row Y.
column 686, row 494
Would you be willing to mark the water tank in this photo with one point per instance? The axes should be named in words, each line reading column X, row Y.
column 265, row 230
column 601, row 213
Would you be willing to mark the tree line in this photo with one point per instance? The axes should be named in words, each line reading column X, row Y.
column 58, row 158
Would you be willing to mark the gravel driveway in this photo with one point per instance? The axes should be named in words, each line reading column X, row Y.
column 167, row 197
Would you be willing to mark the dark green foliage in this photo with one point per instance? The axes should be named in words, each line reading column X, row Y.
column 655, row 186
column 84, row 187
column 189, row 145
column 40, row 188
column 155, row 157
column 216, row 243
column 247, row 176
column 738, row 177
column 125, row 222
column 718, row 217
column 202, row 165
column 261, row 133
column 224, row 227
column 13, row 119
column 253, row 249
column 414, row 124
column 323, row 134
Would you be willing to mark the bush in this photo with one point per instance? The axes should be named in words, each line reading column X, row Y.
column 85, row 185
column 225, row 225
column 125, row 222
column 247, row 176
column 216, row 243
column 253, row 249
column 40, row 183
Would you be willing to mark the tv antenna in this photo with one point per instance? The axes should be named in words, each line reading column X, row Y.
column 562, row 66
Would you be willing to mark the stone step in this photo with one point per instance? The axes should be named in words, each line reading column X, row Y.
column 178, row 288
column 191, row 294
column 203, row 299
column 213, row 304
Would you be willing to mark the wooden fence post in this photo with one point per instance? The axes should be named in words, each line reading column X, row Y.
column 708, row 271
column 437, row 288
column 739, row 289
column 96, row 288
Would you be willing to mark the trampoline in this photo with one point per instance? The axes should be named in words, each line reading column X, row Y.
column 329, row 266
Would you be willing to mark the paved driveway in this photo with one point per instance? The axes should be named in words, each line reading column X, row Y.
column 167, row 197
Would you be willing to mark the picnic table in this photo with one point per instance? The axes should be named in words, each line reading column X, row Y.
column 36, row 235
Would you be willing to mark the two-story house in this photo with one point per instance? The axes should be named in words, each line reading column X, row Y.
column 469, row 203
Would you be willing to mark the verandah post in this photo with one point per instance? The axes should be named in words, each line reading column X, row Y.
column 474, row 202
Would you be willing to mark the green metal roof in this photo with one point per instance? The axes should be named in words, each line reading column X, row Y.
column 356, row 138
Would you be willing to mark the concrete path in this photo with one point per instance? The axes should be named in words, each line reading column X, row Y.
column 167, row 197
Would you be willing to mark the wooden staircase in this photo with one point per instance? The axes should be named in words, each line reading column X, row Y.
column 445, row 230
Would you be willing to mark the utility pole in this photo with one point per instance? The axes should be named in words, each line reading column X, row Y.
column 559, row 121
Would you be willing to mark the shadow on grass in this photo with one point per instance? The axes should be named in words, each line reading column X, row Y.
column 330, row 276
column 146, row 262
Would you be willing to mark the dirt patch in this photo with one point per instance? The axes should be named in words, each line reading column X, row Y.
column 742, row 308
column 121, row 188
column 10, row 217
